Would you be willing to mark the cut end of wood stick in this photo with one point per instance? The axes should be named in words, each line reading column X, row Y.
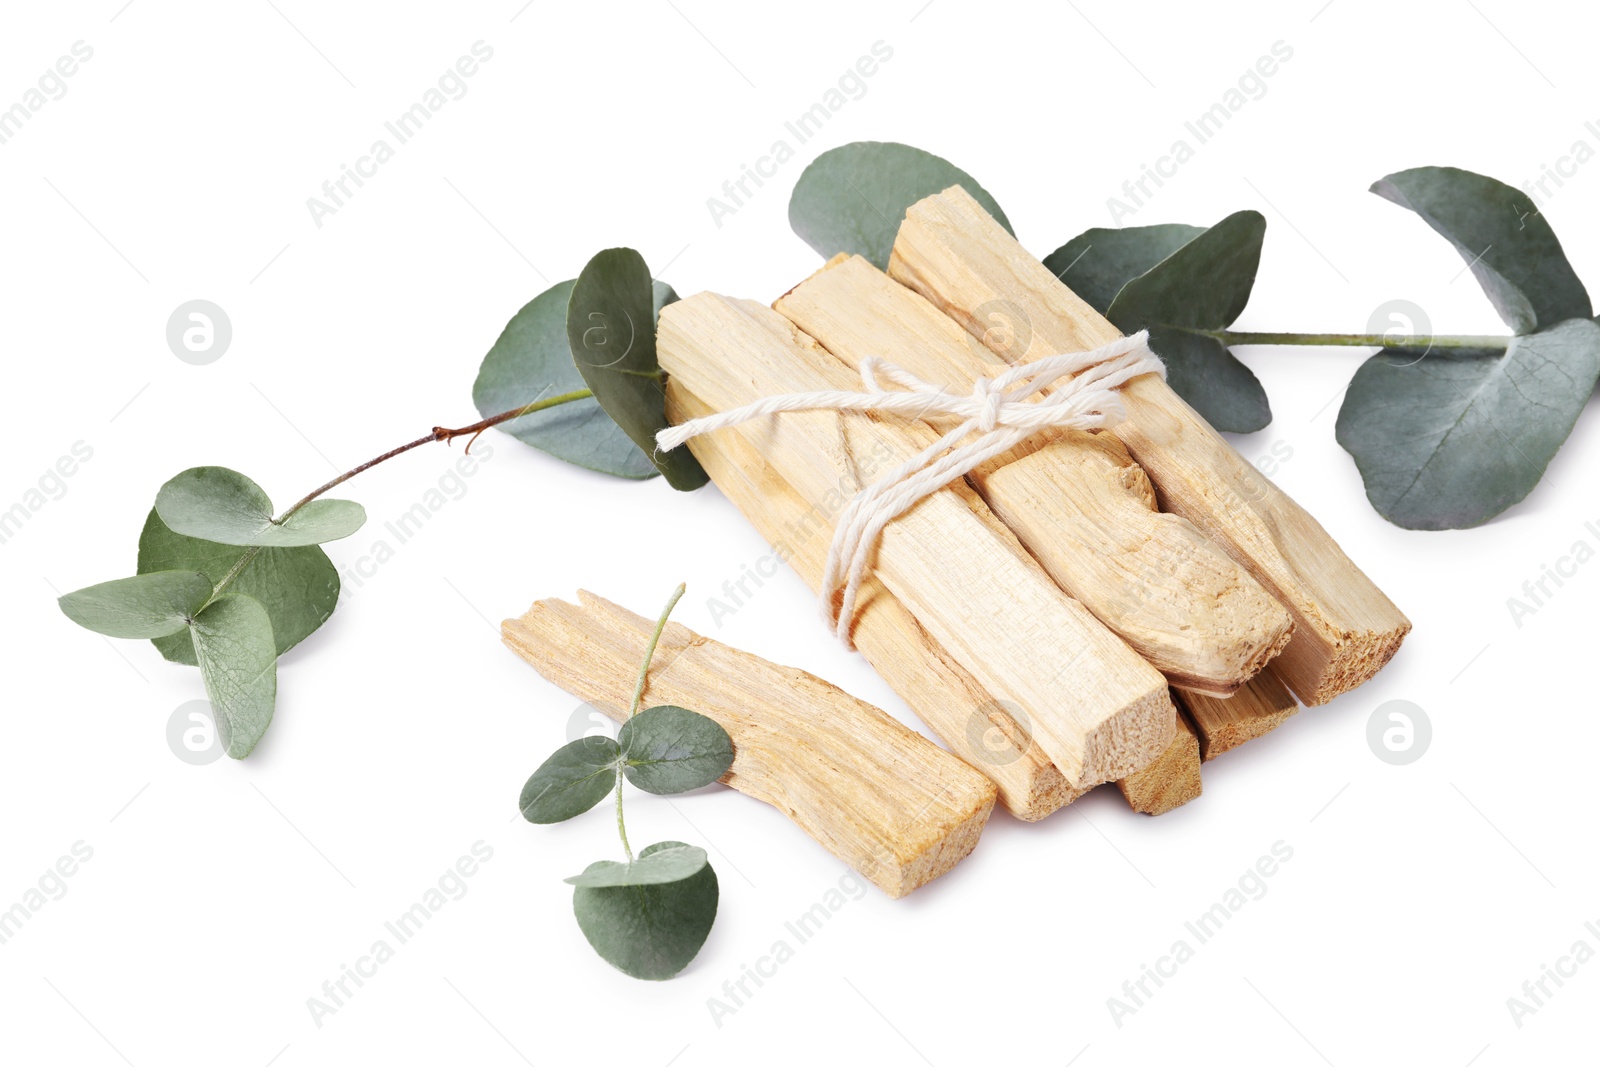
column 1320, row 672
column 996, row 742
column 1129, row 743
column 881, row 797
column 954, row 254
column 1172, row 779
column 1257, row 709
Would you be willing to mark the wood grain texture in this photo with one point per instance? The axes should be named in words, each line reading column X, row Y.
column 954, row 254
column 973, row 724
column 1077, row 501
column 1258, row 708
column 883, row 798
column 1172, row 780
column 1096, row 709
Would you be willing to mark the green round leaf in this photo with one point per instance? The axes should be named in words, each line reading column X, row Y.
column 1097, row 263
column 649, row 931
column 668, row 749
column 149, row 605
column 1499, row 231
column 854, row 197
column 217, row 504
column 661, row 294
column 1205, row 373
column 299, row 587
column 611, row 318
column 654, row 866
column 574, row 779
column 1199, row 288
column 532, row 359
column 239, row 665
column 1449, row 441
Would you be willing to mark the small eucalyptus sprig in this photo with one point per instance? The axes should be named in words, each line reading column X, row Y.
column 647, row 916
column 225, row 585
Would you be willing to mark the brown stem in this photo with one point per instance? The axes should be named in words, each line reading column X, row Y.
column 438, row 433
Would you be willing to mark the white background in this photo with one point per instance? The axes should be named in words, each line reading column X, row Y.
column 219, row 898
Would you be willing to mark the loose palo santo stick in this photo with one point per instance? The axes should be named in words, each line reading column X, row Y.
column 1172, row 780
column 1256, row 709
column 1076, row 500
column 971, row 722
column 884, row 799
column 1097, row 709
column 953, row 253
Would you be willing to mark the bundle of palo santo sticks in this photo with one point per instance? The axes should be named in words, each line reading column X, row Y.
column 1108, row 606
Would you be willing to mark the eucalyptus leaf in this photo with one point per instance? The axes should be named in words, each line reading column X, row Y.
column 148, row 605
column 221, row 505
column 575, row 778
column 1445, row 442
column 649, row 931
column 1098, row 262
column 239, row 665
column 661, row 294
column 299, row 587
column 654, row 866
column 668, row 749
column 1205, row 373
column 1501, row 234
column 611, row 317
column 1184, row 299
column 854, row 197
column 532, row 359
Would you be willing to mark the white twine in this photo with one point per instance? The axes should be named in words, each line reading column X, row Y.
column 995, row 410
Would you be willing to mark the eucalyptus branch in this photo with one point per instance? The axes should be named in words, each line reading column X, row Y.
column 233, row 572
column 650, row 649
column 638, row 692
column 622, row 828
column 650, row 914
column 1418, row 342
column 438, row 433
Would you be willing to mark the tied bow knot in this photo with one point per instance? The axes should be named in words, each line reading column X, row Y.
column 984, row 405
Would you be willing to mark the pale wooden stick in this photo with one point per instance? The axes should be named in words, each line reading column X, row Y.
column 971, row 722
column 975, row 726
column 881, row 797
column 1172, row 780
column 1076, row 500
column 1097, row 709
column 1256, row 709
column 953, row 253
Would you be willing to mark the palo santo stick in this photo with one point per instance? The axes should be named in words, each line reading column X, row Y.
column 1172, row 780
column 953, row 253
column 975, row 726
column 971, row 723
column 1258, row 708
column 884, row 799
column 1097, row 709
column 967, row 718
column 1076, row 500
